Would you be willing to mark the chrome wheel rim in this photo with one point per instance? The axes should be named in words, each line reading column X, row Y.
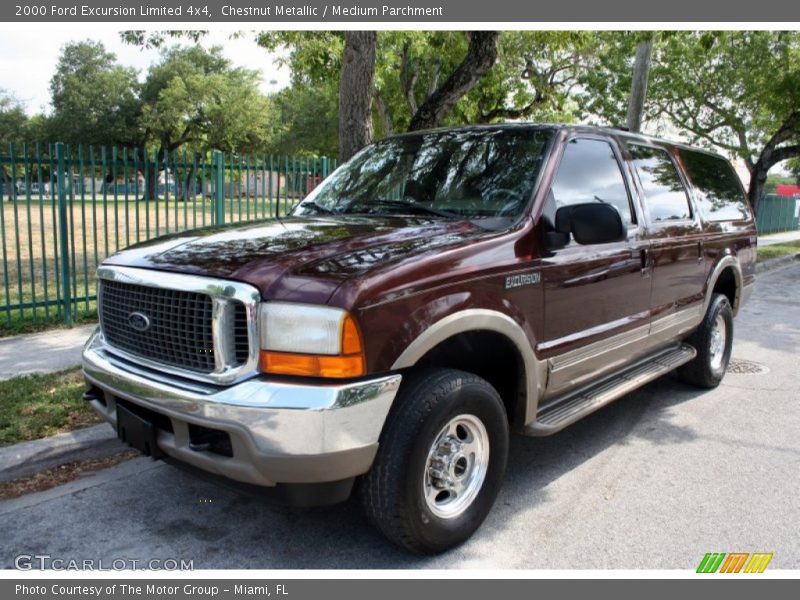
column 719, row 335
column 456, row 466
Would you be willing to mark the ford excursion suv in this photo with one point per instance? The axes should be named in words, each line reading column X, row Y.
column 437, row 292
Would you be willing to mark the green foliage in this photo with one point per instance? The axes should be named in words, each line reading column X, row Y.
column 13, row 120
column 95, row 100
column 305, row 120
column 194, row 96
column 532, row 80
column 793, row 166
column 732, row 90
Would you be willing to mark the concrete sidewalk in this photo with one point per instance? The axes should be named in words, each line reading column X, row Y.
column 44, row 352
column 779, row 238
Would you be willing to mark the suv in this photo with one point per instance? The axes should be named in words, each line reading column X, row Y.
column 438, row 291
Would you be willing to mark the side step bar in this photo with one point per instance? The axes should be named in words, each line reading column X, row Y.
column 575, row 405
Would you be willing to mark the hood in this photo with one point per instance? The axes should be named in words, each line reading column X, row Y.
column 302, row 259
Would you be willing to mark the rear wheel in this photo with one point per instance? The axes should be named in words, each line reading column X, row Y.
column 440, row 463
column 713, row 340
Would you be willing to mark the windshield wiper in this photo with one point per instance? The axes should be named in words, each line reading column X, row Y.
column 317, row 207
column 412, row 207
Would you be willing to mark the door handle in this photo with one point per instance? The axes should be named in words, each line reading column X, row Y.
column 644, row 258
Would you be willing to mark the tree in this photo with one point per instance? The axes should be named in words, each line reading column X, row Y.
column 194, row 98
column 305, row 121
column 793, row 167
column 641, row 72
column 736, row 91
column 95, row 100
column 316, row 57
column 13, row 120
column 481, row 56
column 356, row 92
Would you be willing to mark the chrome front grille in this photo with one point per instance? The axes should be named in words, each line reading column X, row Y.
column 179, row 331
column 197, row 327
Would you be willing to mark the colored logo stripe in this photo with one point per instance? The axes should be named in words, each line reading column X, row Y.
column 711, row 562
column 758, row 562
column 735, row 561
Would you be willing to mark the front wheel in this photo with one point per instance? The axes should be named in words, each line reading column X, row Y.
column 713, row 340
column 440, row 463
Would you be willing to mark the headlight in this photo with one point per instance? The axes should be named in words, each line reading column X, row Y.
column 315, row 341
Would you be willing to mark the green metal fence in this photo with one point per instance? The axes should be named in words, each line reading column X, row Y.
column 64, row 209
column 778, row 213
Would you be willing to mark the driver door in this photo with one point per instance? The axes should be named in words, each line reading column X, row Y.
column 597, row 297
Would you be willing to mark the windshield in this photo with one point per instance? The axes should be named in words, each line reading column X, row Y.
column 478, row 174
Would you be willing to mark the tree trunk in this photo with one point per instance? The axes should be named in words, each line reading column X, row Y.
column 355, row 92
column 758, row 178
column 641, row 71
column 387, row 128
column 481, row 56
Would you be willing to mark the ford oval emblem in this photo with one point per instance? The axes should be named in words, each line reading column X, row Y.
column 139, row 321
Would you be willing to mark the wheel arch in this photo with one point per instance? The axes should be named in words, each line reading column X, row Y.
column 725, row 278
column 499, row 327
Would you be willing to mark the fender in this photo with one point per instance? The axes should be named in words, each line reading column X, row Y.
column 727, row 261
column 476, row 319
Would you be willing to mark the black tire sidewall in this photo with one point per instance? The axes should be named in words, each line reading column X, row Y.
column 472, row 399
column 720, row 306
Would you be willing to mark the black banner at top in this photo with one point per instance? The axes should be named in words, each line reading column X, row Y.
column 400, row 11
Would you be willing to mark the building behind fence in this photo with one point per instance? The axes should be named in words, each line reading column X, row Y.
column 66, row 208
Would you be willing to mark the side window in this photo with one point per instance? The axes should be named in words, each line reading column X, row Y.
column 589, row 172
column 664, row 194
column 719, row 194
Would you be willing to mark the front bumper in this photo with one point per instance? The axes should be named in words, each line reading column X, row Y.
column 280, row 432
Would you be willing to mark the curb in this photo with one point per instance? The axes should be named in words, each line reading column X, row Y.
column 775, row 263
column 28, row 458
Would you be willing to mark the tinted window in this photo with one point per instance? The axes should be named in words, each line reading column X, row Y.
column 719, row 194
column 589, row 172
column 664, row 194
column 451, row 174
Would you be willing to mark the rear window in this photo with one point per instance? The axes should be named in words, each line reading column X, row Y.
column 664, row 194
column 719, row 194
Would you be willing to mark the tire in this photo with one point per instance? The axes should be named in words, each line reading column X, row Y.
column 707, row 369
column 432, row 483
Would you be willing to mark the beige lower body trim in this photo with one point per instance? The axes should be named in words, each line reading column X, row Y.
column 576, row 367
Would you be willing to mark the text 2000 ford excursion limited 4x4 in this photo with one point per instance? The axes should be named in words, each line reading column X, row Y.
column 437, row 292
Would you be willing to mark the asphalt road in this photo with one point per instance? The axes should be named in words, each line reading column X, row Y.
column 655, row 480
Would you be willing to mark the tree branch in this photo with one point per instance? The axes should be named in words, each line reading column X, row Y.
column 481, row 56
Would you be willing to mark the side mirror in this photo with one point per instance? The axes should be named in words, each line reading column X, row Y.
column 591, row 223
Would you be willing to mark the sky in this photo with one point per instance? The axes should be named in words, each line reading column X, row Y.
column 28, row 58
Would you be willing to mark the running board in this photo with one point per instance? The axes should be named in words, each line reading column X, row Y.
column 575, row 405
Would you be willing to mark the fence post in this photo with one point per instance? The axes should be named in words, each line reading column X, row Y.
column 63, row 182
column 219, row 188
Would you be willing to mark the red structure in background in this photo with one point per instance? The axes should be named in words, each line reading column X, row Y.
column 788, row 191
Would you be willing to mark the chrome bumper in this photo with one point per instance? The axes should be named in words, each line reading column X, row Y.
column 280, row 432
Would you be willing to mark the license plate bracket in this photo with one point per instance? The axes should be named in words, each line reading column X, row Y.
column 137, row 432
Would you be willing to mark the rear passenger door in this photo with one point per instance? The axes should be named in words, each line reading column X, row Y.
column 675, row 233
column 597, row 297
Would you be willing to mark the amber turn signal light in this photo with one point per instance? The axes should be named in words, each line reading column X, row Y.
column 348, row 363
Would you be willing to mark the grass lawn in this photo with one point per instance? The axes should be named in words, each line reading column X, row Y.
column 36, row 406
column 30, row 250
column 778, row 250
